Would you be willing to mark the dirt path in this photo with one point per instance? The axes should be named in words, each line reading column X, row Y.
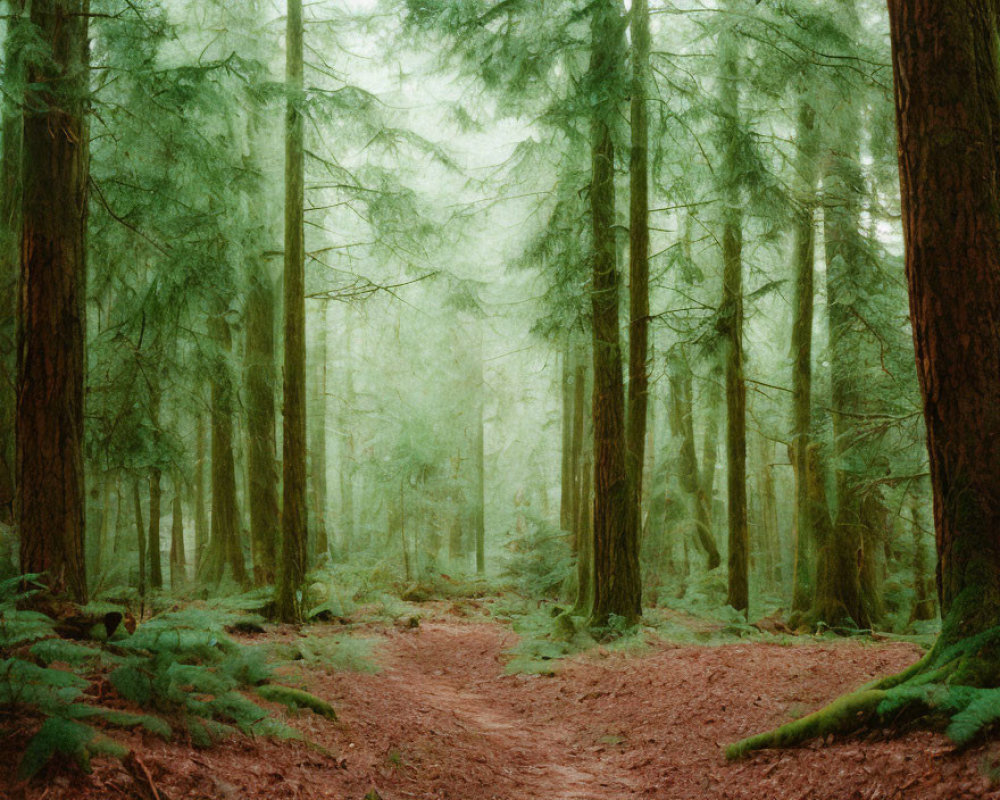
column 442, row 720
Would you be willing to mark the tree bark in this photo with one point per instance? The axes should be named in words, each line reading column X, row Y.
column 617, row 587
column 51, row 333
column 638, row 340
column 346, row 437
column 262, row 453
column 178, row 560
column 948, row 90
column 140, row 532
column 294, row 523
column 807, row 169
column 153, row 547
column 318, row 430
column 566, row 467
column 10, row 234
column 201, row 529
column 731, row 321
column 479, row 454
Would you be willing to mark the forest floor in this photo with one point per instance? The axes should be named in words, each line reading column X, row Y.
column 443, row 718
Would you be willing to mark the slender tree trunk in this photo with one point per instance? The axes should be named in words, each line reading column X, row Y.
column 923, row 600
column 617, row 584
column 731, row 321
column 479, row 454
column 319, row 440
column 293, row 516
column 807, row 168
column 51, row 331
column 346, row 437
column 178, row 561
column 576, row 450
column 262, row 453
column 140, row 531
column 201, row 529
column 638, row 340
column 224, row 543
column 566, row 471
column 585, row 549
column 153, row 548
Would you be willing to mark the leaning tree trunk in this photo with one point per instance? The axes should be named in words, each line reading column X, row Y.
column 731, row 323
column 294, row 522
column 638, row 340
column 49, row 473
column 805, row 246
column 617, row 583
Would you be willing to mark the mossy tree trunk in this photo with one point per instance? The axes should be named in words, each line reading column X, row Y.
column 348, row 534
column 318, row 431
column 201, row 529
column 178, row 559
column 617, row 585
column 566, row 463
column 51, row 330
column 294, row 521
column 140, row 534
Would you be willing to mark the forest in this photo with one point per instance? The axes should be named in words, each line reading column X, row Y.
column 499, row 399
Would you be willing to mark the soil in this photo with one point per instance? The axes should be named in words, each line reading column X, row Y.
column 442, row 719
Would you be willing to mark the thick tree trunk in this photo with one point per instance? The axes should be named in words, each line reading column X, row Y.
column 49, row 471
column 807, row 169
column 294, row 524
column 731, row 322
column 10, row 236
column 948, row 90
column 617, row 583
column 638, row 340
column 262, row 453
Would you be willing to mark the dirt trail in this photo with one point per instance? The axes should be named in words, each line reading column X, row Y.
column 442, row 721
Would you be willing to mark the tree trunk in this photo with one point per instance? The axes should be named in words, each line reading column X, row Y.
column 10, row 235
column 346, row 437
column 731, row 322
column 568, row 410
column 294, row 525
column 140, row 531
column 479, row 448
column 576, row 449
column 153, row 548
column 638, row 340
column 319, row 441
column 49, row 473
column 807, row 169
column 178, row 561
column 201, row 529
column 262, row 453
column 923, row 600
column 224, row 542
column 617, row 583
column 948, row 90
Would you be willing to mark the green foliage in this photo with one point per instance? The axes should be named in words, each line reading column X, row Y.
column 340, row 653
column 71, row 739
column 297, row 698
column 541, row 561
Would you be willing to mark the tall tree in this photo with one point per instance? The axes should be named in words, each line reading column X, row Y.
column 617, row 588
column 294, row 518
column 731, row 313
column 946, row 63
column 638, row 340
column 51, row 314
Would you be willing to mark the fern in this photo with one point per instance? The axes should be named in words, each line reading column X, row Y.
column 296, row 698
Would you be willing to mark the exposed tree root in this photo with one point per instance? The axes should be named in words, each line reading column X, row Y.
column 953, row 686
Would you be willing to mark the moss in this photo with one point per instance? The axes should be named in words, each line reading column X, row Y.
column 845, row 714
column 296, row 698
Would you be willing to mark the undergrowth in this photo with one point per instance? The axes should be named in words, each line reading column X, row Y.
column 178, row 673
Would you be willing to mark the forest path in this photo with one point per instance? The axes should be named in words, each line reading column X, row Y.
column 442, row 720
column 452, row 675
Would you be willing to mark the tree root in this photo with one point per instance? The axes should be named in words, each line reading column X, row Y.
column 955, row 685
